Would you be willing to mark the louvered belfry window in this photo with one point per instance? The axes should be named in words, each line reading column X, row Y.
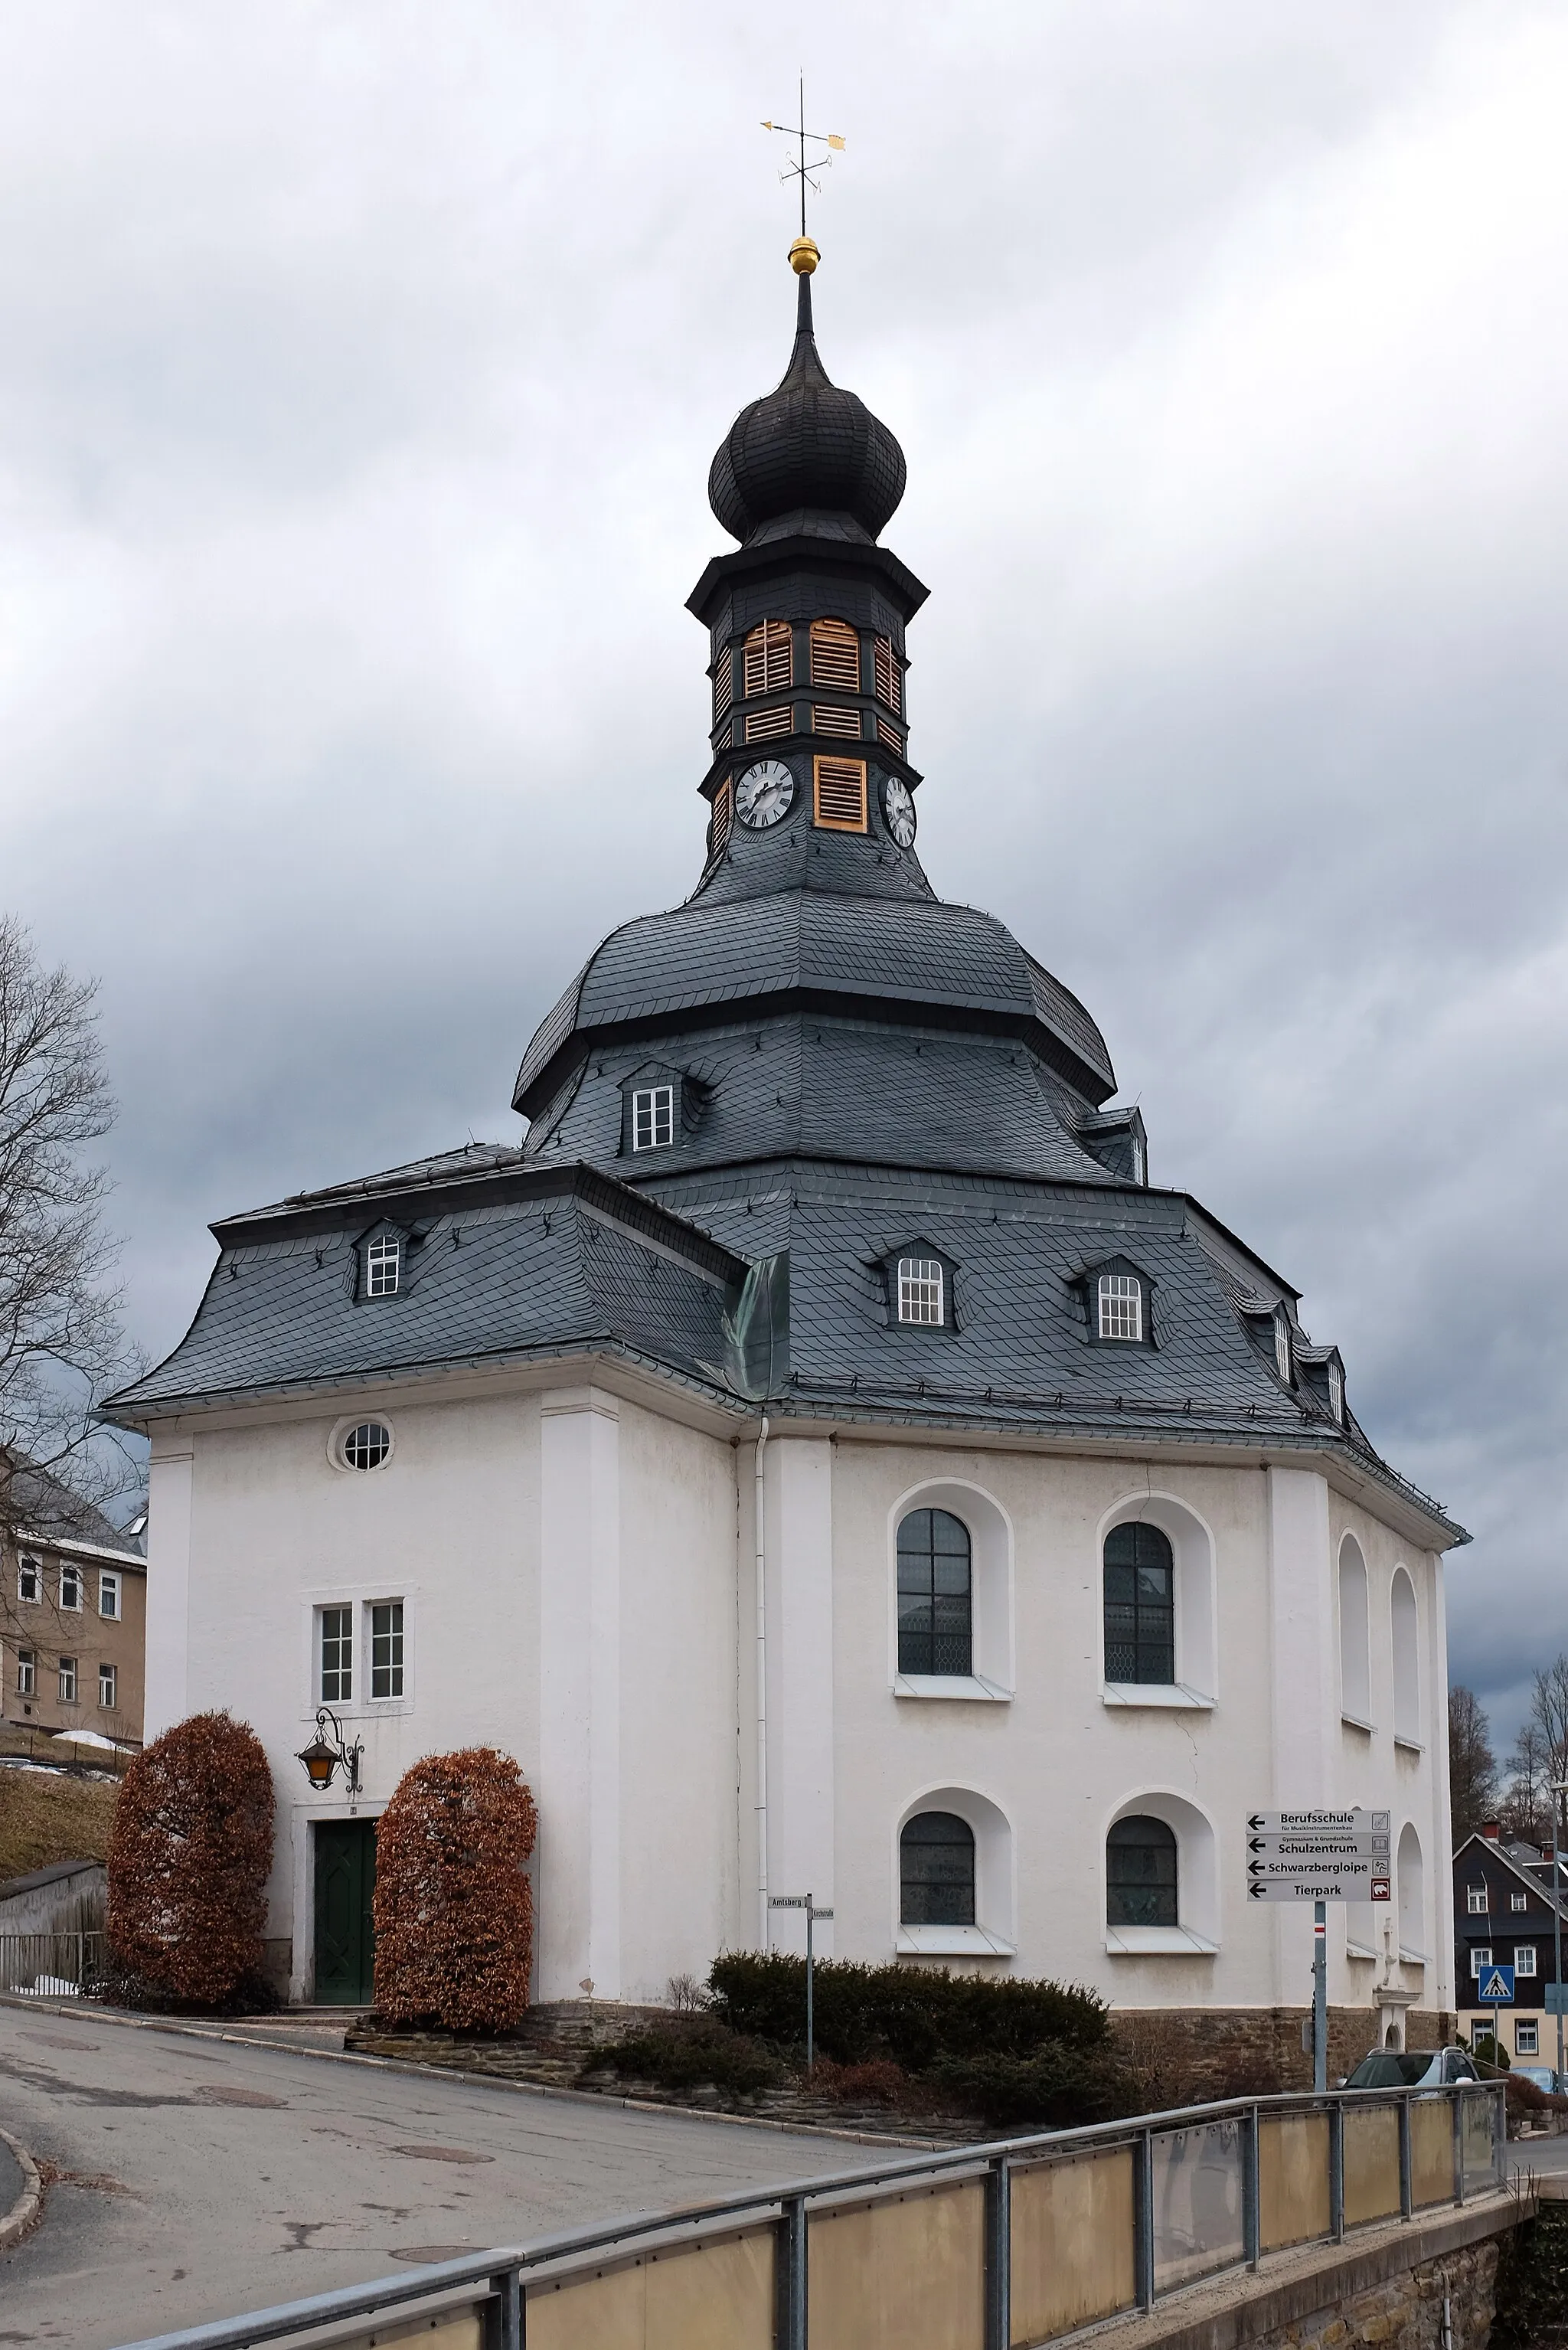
column 841, row 795
column 829, row 719
column 762, row 723
column 767, row 665
column 887, row 679
column 835, row 655
column 890, row 736
column 723, row 683
column 721, row 815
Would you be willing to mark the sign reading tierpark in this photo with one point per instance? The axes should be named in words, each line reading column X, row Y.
column 1319, row 1855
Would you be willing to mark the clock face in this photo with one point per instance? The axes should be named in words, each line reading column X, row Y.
column 764, row 794
column 898, row 811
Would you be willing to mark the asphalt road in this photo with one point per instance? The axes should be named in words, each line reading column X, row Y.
column 189, row 2180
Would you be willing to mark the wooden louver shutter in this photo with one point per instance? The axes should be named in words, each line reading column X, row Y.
column 723, row 683
column 767, row 663
column 723, row 811
column 888, row 680
column 827, row 718
column 841, row 795
column 835, row 655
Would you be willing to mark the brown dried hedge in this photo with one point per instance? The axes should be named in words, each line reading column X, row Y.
column 454, row 1913
column 189, row 1860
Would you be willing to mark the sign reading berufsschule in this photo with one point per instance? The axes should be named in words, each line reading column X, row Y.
column 1319, row 1855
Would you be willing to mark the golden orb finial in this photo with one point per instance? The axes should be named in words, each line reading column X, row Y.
column 803, row 256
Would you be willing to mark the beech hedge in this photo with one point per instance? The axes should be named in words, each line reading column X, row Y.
column 454, row 1911
column 189, row 1860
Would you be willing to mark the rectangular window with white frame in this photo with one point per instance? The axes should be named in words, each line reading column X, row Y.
column 70, row 1587
column 386, row 1649
column 68, row 1681
column 29, row 1580
column 1480, row 1958
column 1518, row 1900
column 921, row 1290
column 27, row 1672
column 1121, row 1305
column 382, row 1262
column 1524, row 1959
column 108, row 1597
column 1475, row 1900
column 336, row 1636
column 1526, row 2038
column 108, row 1685
column 652, row 1116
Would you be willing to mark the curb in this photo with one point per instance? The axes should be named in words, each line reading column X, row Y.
column 29, row 2203
column 78, row 2010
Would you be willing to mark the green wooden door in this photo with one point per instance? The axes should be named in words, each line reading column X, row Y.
column 345, row 1936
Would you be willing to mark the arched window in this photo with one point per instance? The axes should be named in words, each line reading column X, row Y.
column 1141, row 1605
column 767, row 660
column 1141, row 1872
column 835, row 655
column 1355, row 1670
column 935, row 1623
column 936, row 1871
column 1406, row 1661
column 1412, row 1895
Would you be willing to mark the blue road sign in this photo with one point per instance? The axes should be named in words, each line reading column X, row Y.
column 1556, row 1997
column 1495, row 1988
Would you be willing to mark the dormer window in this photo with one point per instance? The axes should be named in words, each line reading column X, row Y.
column 835, row 655
column 1120, row 1302
column 1336, row 1390
column 383, row 1267
column 766, row 661
column 922, row 1290
column 1283, row 1347
column 652, row 1117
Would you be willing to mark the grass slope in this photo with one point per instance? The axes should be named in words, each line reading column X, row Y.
column 44, row 1818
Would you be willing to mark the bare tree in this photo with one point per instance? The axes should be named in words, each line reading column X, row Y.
column 61, row 1345
column 1472, row 1766
column 1525, row 1811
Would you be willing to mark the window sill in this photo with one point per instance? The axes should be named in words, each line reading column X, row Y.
column 1408, row 1745
column 1411, row 1958
column 970, row 1686
column 1173, row 1941
column 1353, row 1721
column 1360, row 1950
column 952, row 1942
column 1159, row 1693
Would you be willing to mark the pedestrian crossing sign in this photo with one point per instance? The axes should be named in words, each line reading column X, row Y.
column 1495, row 1988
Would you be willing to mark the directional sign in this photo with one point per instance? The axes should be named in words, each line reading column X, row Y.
column 1495, row 1988
column 1555, row 1996
column 1319, row 1855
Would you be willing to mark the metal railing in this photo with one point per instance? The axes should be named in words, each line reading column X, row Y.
column 980, row 2248
column 51, row 1966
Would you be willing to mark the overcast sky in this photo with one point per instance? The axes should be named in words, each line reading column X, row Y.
column 360, row 365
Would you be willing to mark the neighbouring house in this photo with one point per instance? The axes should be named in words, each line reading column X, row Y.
column 70, row 1898
column 1507, row 1914
column 73, row 1615
column 819, row 1451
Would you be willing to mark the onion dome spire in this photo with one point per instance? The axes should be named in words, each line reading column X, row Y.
column 807, row 456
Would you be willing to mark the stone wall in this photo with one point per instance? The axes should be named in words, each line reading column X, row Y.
column 1406, row 2312
column 1190, row 2054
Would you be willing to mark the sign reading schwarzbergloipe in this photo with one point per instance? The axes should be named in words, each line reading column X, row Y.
column 1319, row 1855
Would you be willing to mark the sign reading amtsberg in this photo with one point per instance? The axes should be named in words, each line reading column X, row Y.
column 1319, row 1855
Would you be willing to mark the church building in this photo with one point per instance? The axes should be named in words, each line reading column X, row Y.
column 819, row 1451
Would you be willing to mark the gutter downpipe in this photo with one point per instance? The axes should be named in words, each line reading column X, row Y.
column 762, row 1569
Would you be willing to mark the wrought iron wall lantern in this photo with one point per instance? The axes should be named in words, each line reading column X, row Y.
column 327, row 1750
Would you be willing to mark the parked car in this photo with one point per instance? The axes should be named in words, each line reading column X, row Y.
column 1539, row 2076
column 1411, row 2068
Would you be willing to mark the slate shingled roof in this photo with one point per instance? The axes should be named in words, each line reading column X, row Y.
column 858, row 1066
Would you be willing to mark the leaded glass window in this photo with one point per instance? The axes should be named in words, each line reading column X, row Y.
column 936, row 1864
column 1140, row 1605
column 935, row 1619
column 1140, row 1873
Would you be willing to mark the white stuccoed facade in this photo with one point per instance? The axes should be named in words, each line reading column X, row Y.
column 577, row 1567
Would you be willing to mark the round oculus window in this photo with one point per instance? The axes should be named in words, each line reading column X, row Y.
column 367, row 1444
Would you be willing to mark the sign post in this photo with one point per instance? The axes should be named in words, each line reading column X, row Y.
column 803, row 1901
column 1320, row 1855
column 1495, row 1989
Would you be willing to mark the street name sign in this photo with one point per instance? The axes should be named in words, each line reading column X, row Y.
column 1319, row 1855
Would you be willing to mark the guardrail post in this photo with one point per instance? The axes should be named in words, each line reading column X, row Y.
column 503, row 2313
column 789, row 2331
column 1456, row 2108
column 999, row 2255
column 1406, row 2185
column 1250, row 2189
column 1336, row 2170
column 1143, row 2220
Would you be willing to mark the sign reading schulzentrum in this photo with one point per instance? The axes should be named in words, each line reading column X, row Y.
column 1318, row 1856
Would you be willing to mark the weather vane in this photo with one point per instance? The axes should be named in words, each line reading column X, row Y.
column 805, row 164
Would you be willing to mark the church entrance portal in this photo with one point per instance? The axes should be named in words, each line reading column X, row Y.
column 345, row 1936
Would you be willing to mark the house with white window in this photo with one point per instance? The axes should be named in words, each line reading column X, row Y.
column 73, row 1615
column 817, row 1450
